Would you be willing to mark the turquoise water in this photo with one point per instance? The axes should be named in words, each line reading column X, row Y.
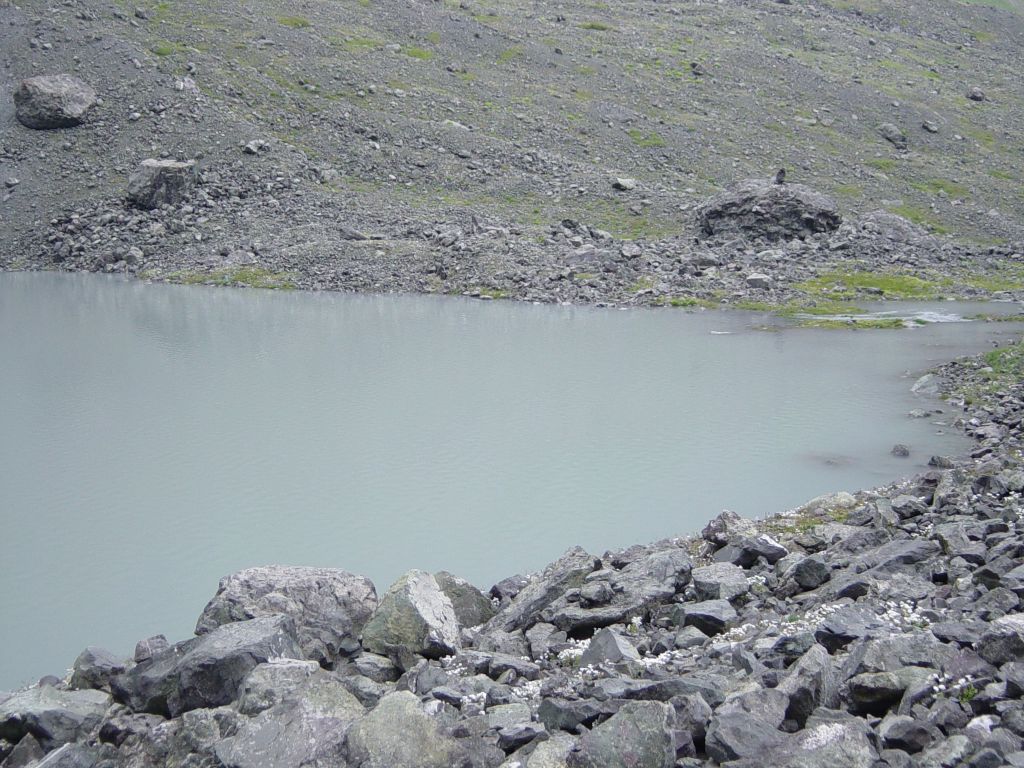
column 154, row 438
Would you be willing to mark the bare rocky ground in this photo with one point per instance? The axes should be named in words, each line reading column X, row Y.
column 474, row 147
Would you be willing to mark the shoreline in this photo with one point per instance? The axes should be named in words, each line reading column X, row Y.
column 600, row 649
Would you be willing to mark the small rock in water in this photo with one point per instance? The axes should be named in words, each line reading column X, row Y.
column 900, row 450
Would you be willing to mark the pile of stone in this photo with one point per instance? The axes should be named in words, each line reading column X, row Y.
column 880, row 629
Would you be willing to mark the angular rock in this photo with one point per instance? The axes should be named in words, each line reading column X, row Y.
column 94, row 668
column 639, row 735
column 726, row 527
column 158, row 182
column 414, row 616
column 811, row 682
column 741, row 735
column 607, row 647
column 309, row 725
column 771, row 211
column 811, row 572
column 208, row 670
column 564, row 574
column 329, row 606
column 567, row 714
column 399, row 734
column 720, row 581
column 270, row 683
column 894, row 135
column 1003, row 640
column 52, row 101
column 54, row 717
column 711, row 617
column 907, row 734
column 472, row 607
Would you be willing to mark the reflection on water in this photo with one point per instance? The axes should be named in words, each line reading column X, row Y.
column 155, row 438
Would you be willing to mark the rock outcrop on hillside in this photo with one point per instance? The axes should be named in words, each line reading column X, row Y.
column 881, row 629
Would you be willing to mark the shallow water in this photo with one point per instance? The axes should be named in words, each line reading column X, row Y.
column 154, row 438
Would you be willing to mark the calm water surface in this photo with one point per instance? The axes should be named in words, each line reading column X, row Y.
column 154, row 438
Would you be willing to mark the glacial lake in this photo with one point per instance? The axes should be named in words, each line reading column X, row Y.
column 154, row 438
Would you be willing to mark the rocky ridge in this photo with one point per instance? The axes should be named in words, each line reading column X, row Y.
column 881, row 629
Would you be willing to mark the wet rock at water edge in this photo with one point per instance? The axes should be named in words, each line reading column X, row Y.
column 159, row 182
column 53, row 101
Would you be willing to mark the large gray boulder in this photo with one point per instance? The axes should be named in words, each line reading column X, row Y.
column 399, row 734
column 308, row 725
column 639, row 735
column 52, row 101
column 830, row 740
column 329, row 606
column 739, row 735
column 760, row 208
column 158, row 182
column 414, row 617
column 54, row 717
column 208, row 670
column 94, row 668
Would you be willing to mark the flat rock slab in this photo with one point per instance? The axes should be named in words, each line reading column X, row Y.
column 52, row 101
column 159, row 182
column 329, row 606
column 639, row 735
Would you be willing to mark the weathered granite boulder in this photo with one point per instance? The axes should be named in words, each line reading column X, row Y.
column 52, row 101
column 329, row 606
column 308, row 725
column 639, row 735
column 1003, row 640
column 607, row 647
column 54, row 717
column 763, row 209
column 738, row 735
column 399, row 734
column 272, row 682
column 158, row 182
column 414, row 617
column 208, row 670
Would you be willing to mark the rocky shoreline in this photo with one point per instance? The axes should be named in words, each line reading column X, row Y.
column 881, row 629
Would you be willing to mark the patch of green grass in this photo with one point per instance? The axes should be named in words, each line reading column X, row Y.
column 597, row 26
column 691, row 302
column 937, row 186
column 359, row 44
column 643, row 284
column 998, row 173
column 509, row 54
column 418, row 53
column 884, row 164
column 295, row 22
column 167, row 48
column 434, row 37
column 584, row 275
column 850, row 190
column 968, row 693
column 851, row 285
column 920, row 217
column 251, row 277
column 1007, row 361
column 493, row 293
column 852, row 322
column 648, row 139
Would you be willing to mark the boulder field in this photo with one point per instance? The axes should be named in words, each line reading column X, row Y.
column 881, row 629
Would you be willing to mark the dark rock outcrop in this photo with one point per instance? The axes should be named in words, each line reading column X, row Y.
column 763, row 209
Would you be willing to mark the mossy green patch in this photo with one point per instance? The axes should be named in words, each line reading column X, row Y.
column 941, row 186
column 920, row 216
column 295, row 22
column 509, row 54
column 251, row 277
column 596, row 26
column 418, row 53
column 851, row 285
column 646, row 139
